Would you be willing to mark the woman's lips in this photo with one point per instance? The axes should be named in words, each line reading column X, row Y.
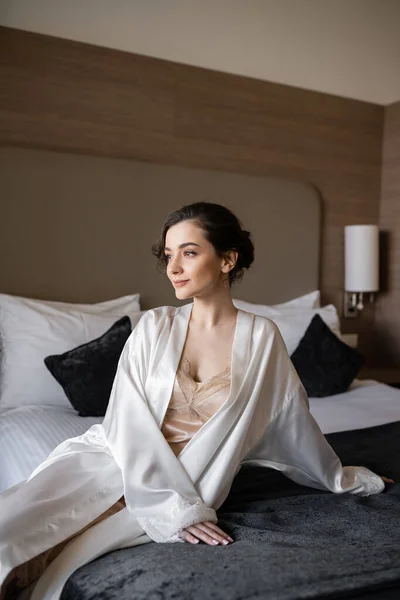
column 180, row 283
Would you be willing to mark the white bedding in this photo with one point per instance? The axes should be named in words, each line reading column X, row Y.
column 367, row 403
column 28, row 434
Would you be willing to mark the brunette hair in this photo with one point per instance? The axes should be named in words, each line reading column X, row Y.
column 222, row 229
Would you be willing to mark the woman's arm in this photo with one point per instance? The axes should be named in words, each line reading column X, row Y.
column 294, row 444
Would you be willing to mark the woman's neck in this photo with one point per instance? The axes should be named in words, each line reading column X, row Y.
column 213, row 312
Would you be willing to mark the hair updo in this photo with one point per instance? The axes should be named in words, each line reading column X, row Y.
column 222, row 229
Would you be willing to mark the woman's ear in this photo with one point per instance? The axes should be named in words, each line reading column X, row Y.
column 230, row 260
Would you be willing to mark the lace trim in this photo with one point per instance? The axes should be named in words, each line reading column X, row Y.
column 195, row 396
column 168, row 528
column 225, row 371
column 366, row 481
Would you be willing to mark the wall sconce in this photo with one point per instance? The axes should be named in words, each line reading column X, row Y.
column 361, row 265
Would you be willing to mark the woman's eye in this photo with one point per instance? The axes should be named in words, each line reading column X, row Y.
column 191, row 252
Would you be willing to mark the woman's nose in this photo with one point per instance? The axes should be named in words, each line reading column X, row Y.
column 175, row 266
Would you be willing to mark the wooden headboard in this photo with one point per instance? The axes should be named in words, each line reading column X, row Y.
column 80, row 228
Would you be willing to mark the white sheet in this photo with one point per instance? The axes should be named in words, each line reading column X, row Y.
column 367, row 403
column 28, row 434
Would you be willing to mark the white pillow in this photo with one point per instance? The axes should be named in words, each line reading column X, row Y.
column 130, row 302
column 311, row 300
column 33, row 329
column 293, row 323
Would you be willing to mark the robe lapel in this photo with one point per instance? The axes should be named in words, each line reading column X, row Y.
column 165, row 372
column 198, row 452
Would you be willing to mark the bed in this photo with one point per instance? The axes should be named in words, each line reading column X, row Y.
column 290, row 542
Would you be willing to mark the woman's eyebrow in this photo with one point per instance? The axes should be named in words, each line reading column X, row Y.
column 184, row 245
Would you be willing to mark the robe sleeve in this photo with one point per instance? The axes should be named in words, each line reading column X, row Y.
column 293, row 443
column 158, row 491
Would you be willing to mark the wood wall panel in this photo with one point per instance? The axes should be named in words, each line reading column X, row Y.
column 58, row 94
column 387, row 319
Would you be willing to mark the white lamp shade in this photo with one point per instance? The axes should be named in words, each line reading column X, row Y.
column 361, row 244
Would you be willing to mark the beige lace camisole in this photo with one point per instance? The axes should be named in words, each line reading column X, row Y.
column 192, row 403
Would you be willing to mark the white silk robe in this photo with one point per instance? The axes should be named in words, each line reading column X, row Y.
column 264, row 421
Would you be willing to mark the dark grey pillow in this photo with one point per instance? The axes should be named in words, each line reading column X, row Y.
column 87, row 372
column 325, row 365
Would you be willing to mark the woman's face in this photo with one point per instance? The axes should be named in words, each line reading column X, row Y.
column 193, row 261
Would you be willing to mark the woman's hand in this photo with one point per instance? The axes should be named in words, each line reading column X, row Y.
column 206, row 532
column 386, row 479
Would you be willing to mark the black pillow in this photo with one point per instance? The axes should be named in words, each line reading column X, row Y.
column 325, row 365
column 87, row 372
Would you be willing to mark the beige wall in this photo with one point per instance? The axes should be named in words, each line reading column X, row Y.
column 387, row 319
column 116, row 104
column 349, row 48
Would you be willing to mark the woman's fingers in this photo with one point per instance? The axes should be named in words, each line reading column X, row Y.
column 218, row 530
column 216, row 534
column 387, row 480
column 188, row 537
column 203, row 534
column 206, row 532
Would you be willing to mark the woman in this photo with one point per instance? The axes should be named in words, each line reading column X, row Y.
column 199, row 391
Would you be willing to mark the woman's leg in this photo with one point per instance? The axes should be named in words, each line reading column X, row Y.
column 31, row 570
column 60, row 501
column 120, row 530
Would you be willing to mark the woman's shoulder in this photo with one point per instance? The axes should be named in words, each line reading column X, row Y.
column 151, row 325
column 261, row 322
column 160, row 314
column 161, row 311
column 266, row 329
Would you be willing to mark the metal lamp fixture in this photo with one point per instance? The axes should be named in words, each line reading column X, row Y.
column 361, row 262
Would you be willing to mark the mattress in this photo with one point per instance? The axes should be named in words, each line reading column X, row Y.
column 28, row 434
